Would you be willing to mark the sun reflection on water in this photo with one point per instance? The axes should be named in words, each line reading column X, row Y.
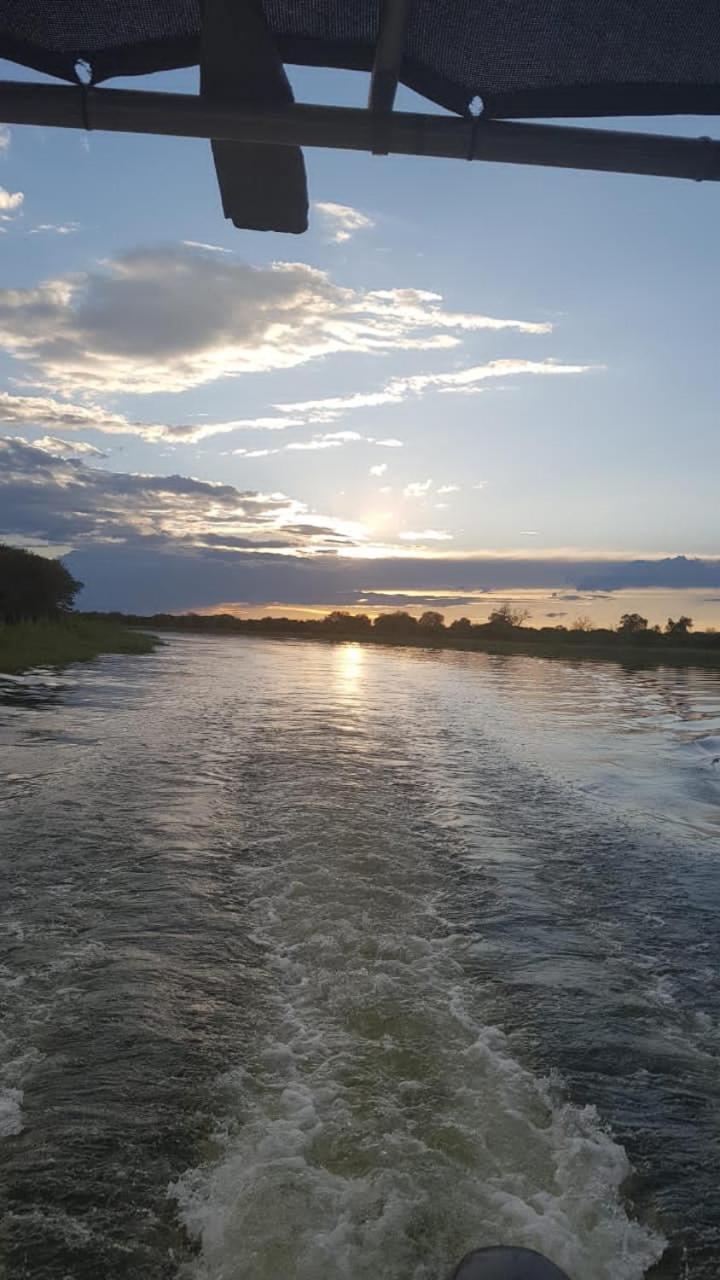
column 348, row 664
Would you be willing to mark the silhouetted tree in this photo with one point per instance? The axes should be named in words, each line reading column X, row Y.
column 461, row 627
column 505, row 619
column 33, row 586
column 352, row 623
column 583, row 623
column 679, row 627
column 632, row 623
column 432, row 621
column 395, row 625
column 338, row 619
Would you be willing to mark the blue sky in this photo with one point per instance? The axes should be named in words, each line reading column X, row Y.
column 419, row 426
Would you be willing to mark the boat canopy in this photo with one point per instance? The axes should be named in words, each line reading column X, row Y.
column 485, row 61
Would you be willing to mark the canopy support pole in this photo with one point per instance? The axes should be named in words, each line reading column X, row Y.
column 350, row 128
column 389, row 50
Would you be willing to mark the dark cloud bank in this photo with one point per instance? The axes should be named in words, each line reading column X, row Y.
column 145, row 578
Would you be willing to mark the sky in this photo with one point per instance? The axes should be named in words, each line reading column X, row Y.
column 465, row 383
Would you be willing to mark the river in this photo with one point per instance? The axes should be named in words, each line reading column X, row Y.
column 330, row 961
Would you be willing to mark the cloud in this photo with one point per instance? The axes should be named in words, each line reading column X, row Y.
column 331, row 407
column 675, row 571
column 397, row 390
column 4, row 137
column 318, row 442
column 342, row 220
column 379, row 469
column 390, row 443
column 208, row 248
column 44, row 494
column 166, row 319
column 417, row 489
column 56, row 228
column 465, row 378
column 67, row 448
column 449, row 488
column 10, row 203
column 45, row 412
column 327, row 440
column 427, row 535
column 422, row 306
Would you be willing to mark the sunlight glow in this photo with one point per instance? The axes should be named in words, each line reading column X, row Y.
column 349, row 661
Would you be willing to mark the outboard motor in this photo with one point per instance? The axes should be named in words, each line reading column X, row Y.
column 506, row 1263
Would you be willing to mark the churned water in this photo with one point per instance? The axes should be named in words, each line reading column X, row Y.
column 330, row 961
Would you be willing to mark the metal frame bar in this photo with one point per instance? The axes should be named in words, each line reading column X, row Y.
column 349, row 128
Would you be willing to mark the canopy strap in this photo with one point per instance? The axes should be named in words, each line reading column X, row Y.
column 263, row 188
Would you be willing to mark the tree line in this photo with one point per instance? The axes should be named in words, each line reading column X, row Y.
column 399, row 627
column 33, row 588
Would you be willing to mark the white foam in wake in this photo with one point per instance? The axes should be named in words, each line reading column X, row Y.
column 376, row 1129
column 11, row 1121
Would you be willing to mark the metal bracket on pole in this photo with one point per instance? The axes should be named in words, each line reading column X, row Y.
column 389, row 51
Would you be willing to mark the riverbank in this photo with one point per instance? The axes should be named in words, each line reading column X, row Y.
column 606, row 646
column 54, row 644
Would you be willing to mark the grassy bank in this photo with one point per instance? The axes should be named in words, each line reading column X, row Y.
column 632, row 655
column 53, row 644
column 586, row 647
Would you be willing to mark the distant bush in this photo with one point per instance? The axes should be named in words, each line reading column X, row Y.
column 396, row 625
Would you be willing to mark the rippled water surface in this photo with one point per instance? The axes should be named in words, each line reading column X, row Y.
column 330, row 961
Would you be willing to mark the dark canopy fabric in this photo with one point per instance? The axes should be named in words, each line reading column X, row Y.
column 524, row 58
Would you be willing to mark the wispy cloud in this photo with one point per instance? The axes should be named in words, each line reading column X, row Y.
column 464, row 378
column 158, row 320
column 319, row 442
column 449, row 488
column 4, row 137
column 324, row 440
column 426, row 535
column 342, row 221
column 55, row 228
column 379, row 469
column 331, row 407
column 48, row 413
column 417, row 489
column 397, row 390
column 208, row 248
column 68, row 448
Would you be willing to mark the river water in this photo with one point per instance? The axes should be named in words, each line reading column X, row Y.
column 331, row 961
